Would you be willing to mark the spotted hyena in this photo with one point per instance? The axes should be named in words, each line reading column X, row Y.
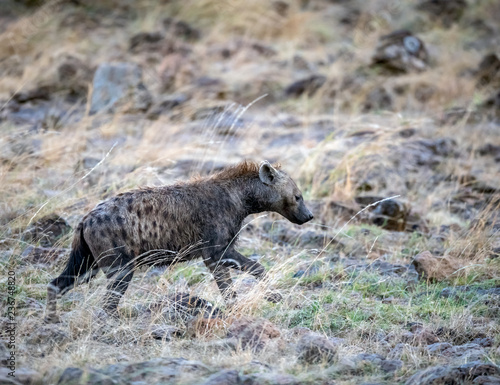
column 163, row 225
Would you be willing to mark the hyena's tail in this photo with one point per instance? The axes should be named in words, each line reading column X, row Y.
column 81, row 266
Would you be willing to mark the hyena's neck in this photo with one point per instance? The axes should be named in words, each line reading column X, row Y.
column 254, row 195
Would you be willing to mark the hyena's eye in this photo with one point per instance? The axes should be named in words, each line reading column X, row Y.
column 298, row 198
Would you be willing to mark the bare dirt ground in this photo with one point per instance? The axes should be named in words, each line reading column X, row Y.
column 385, row 113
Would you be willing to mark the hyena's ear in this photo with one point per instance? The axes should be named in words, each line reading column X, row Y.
column 267, row 173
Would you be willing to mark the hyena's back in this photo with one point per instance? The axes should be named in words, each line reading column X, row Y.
column 135, row 223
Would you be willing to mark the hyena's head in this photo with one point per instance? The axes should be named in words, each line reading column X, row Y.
column 282, row 194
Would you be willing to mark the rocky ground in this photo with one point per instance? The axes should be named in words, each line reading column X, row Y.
column 387, row 115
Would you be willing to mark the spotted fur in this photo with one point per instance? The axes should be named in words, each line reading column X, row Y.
column 163, row 225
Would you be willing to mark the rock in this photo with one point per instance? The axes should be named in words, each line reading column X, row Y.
column 307, row 86
column 434, row 268
column 280, row 7
column 74, row 75
column 253, row 333
column 119, row 86
column 263, row 50
column 444, row 147
column 71, row 376
column 42, row 92
column 386, row 268
column 366, row 362
column 301, row 64
column 389, row 214
column 489, row 150
column 166, row 104
column 4, row 354
column 314, row 348
column 421, row 336
column 488, row 72
column 181, row 29
column 146, row 42
column 224, row 377
column 390, row 366
column 271, row 379
column 377, row 99
column 34, row 254
column 424, row 92
column 446, row 12
column 400, row 52
column 456, row 115
column 23, row 376
column 47, row 230
column 48, row 334
column 491, row 108
column 454, row 375
column 158, row 370
column 165, row 332
column 469, row 352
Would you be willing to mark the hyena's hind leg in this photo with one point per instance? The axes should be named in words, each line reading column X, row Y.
column 121, row 274
column 81, row 266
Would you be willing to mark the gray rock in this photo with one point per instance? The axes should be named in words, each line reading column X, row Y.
column 145, row 42
column 70, row 376
column 307, row 86
column 181, row 29
column 389, row 366
column 389, row 214
column 466, row 374
column 252, row 333
column 47, row 230
column 271, row 379
column 444, row 11
column 119, row 85
column 400, row 52
column 224, row 377
column 315, row 348
column 34, row 254
column 469, row 351
column 378, row 99
column 23, row 376
column 166, row 104
column 165, row 332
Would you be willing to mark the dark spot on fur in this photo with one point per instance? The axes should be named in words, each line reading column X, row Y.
column 91, row 222
column 161, row 227
column 107, row 218
column 150, row 234
column 130, row 200
column 103, row 234
column 98, row 220
column 130, row 208
column 115, row 244
column 139, row 213
column 124, row 234
column 148, row 209
column 154, row 224
column 119, row 220
column 133, row 222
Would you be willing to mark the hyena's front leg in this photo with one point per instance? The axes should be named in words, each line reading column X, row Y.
column 222, row 278
column 232, row 258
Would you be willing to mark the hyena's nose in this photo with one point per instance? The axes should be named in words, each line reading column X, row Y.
column 310, row 216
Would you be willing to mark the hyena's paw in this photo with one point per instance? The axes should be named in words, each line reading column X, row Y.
column 273, row 296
